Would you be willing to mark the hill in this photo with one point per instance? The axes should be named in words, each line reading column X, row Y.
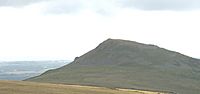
column 20, row 87
column 128, row 64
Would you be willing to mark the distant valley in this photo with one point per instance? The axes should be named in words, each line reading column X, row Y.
column 20, row 70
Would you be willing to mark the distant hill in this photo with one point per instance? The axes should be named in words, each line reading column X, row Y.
column 127, row 64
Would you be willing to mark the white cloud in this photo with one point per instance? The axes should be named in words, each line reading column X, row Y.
column 33, row 32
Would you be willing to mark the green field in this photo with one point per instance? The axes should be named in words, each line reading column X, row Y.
column 23, row 87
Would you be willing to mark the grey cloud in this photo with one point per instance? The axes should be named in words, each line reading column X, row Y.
column 51, row 6
column 176, row 5
column 104, row 6
column 18, row 3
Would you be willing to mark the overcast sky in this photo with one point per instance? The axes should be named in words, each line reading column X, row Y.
column 64, row 29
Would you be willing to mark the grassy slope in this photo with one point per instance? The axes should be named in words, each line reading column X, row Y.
column 123, row 77
column 20, row 87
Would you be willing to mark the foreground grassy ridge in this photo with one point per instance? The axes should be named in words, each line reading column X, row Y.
column 21, row 87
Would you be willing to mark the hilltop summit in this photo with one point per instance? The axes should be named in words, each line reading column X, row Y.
column 124, row 52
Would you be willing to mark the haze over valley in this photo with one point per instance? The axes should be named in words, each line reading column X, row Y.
column 21, row 70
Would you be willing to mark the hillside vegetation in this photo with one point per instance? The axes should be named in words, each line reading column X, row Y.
column 20, row 87
column 128, row 64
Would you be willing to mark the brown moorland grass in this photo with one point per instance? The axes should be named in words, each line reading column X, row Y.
column 23, row 87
